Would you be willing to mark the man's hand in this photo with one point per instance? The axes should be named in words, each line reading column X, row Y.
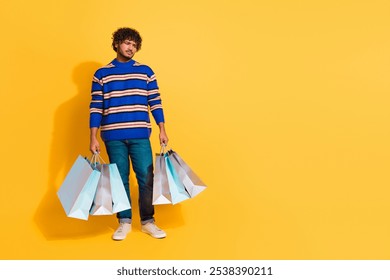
column 163, row 135
column 94, row 145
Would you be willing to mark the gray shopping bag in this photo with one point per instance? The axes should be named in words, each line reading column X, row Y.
column 102, row 202
column 110, row 195
column 161, row 193
column 192, row 183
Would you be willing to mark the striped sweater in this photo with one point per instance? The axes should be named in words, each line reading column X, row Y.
column 123, row 93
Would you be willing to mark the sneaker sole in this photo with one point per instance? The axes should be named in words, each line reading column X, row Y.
column 118, row 238
column 154, row 235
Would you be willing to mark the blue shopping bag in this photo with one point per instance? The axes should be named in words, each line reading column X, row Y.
column 120, row 201
column 176, row 186
column 78, row 189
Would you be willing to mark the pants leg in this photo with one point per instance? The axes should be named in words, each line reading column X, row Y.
column 142, row 161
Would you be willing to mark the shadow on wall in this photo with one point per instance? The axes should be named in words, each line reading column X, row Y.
column 70, row 138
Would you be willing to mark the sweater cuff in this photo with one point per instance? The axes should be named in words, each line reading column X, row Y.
column 95, row 120
column 158, row 115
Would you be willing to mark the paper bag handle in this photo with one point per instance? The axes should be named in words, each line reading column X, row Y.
column 165, row 149
column 96, row 158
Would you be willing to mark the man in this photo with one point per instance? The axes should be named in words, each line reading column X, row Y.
column 123, row 93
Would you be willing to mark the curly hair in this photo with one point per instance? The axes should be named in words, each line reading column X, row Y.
column 126, row 33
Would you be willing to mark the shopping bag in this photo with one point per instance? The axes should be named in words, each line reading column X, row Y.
column 102, row 202
column 161, row 193
column 120, row 201
column 176, row 187
column 110, row 195
column 78, row 189
column 192, row 183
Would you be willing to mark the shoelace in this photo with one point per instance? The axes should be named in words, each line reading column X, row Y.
column 155, row 228
column 120, row 229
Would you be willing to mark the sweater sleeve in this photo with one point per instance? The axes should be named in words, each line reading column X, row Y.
column 154, row 99
column 96, row 105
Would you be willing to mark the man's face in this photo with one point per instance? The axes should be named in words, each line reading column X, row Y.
column 126, row 50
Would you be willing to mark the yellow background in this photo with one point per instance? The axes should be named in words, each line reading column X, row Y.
column 281, row 107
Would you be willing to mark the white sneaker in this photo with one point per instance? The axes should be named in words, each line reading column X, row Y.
column 153, row 230
column 122, row 231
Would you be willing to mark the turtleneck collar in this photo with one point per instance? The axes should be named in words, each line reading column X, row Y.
column 123, row 64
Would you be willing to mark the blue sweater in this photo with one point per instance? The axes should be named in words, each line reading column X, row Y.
column 123, row 93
